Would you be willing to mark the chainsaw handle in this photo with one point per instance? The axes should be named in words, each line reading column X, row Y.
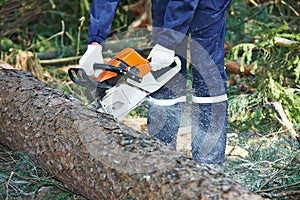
column 177, row 62
column 173, row 64
column 117, row 70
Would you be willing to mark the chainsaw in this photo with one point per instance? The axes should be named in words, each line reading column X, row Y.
column 125, row 82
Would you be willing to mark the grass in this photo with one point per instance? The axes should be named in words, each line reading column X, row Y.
column 20, row 178
column 272, row 167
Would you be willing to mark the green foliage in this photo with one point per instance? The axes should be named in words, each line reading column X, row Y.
column 139, row 112
column 41, row 31
column 7, row 44
column 272, row 164
column 276, row 69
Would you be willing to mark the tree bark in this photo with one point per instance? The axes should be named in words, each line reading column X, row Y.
column 96, row 156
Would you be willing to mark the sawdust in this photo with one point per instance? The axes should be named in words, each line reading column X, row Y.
column 184, row 134
column 183, row 137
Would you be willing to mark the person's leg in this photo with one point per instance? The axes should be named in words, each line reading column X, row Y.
column 167, row 104
column 209, row 107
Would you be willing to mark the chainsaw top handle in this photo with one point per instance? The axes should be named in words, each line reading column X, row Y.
column 119, row 70
column 173, row 64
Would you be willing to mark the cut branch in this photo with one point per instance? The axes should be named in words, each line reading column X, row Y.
column 282, row 118
column 96, row 156
column 283, row 42
column 284, row 195
column 60, row 61
column 234, row 66
column 279, row 188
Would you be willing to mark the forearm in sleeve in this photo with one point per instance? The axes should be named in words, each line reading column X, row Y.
column 177, row 21
column 101, row 17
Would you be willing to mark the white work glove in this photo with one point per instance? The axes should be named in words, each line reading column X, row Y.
column 92, row 55
column 161, row 57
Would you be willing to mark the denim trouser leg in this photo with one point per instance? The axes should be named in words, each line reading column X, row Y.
column 164, row 122
column 209, row 132
column 209, row 107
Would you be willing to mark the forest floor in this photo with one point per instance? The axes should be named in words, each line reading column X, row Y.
column 183, row 137
column 268, row 164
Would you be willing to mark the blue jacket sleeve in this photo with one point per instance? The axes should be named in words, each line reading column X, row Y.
column 102, row 14
column 178, row 16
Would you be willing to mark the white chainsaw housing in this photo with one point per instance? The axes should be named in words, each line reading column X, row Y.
column 123, row 98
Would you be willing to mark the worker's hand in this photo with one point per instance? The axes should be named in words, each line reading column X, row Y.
column 92, row 55
column 161, row 57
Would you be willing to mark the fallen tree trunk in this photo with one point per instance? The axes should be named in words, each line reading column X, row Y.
column 95, row 156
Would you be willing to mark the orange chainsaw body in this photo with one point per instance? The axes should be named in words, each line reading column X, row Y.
column 126, row 59
column 112, row 94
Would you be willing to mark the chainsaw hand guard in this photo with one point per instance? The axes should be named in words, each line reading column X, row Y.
column 83, row 79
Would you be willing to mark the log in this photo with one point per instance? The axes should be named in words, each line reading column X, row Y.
column 234, row 66
column 60, row 61
column 96, row 156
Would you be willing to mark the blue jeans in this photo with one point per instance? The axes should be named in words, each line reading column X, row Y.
column 206, row 29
